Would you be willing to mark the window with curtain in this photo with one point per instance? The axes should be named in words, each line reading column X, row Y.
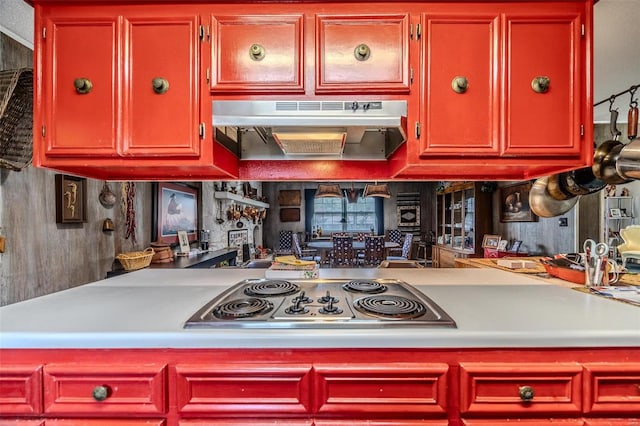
column 337, row 215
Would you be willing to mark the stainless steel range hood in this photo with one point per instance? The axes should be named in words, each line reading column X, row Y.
column 344, row 129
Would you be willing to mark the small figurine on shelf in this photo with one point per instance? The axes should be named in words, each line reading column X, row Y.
column 624, row 192
column 610, row 190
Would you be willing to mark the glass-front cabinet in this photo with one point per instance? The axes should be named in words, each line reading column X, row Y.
column 463, row 216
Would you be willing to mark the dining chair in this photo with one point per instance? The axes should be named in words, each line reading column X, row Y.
column 394, row 235
column 342, row 253
column 373, row 253
column 303, row 254
column 285, row 243
column 406, row 248
column 630, row 249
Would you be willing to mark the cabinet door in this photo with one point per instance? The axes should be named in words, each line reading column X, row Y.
column 410, row 389
column 543, row 46
column 257, row 54
column 20, row 389
column 161, row 98
column 83, row 121
column 612, row 388
column 99, row 390
column 460, row 50
column 520, row 389
column 362, row 53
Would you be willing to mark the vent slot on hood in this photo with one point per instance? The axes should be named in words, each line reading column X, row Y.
column 263, row 130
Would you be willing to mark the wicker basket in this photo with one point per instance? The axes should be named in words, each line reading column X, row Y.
column 16, row 118
column 136, row 259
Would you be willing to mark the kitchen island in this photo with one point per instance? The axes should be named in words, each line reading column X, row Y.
column 118, row 346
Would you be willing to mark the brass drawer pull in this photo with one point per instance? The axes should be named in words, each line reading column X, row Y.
column 83, row 85
column 362, row 52
column 100, row 393
column 160, row 85
column 257, row 52
column 540, row 84
column 460, row 84
column 526, row 393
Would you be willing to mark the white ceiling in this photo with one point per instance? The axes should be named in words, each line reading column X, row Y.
column 616, row 47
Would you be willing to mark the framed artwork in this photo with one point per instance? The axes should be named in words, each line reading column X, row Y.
column 615, row 213
column 502, row 245
column 237, row 239
column 491, row 241
column 514, row 203
column 175, row 208
column 408, row 215
column 289, row 197
column 290, row 215
column 71, row 199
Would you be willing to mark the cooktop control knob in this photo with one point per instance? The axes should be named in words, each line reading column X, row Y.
column 330, row 308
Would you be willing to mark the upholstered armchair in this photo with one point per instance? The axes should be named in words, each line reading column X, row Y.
column 630, row 249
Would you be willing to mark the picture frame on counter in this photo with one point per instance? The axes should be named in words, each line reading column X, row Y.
column 176, row 207
column 515, row 247
column 502, row 245
column 491, row 241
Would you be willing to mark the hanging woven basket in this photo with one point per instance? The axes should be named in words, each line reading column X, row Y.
column 16, row 118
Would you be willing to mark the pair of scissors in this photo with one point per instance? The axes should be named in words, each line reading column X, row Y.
column 594, row 250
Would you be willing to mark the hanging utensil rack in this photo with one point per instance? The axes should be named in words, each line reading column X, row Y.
column 613, row 97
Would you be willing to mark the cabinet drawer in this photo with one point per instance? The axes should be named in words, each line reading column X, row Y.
column 248, row 422
column 104, row 389
column 257, row 54
column 242, row 388
column 381, row 388
column 510, row 388
column 537, row 422
column 20, row 389
column 612, row 388
column 363, row 53
column 105, row 422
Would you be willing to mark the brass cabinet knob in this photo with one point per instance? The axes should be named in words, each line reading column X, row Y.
column 257, row 52
column 526, row 393
column 83, row 85
column 362, row 52
column 460, row 84
column 100, row 392
column 160, row 85
column 540, row 84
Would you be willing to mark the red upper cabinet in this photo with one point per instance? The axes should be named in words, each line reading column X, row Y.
column 461, row 113
column 161, row 98
column 81, row 85
column 257, row 54
column 362, row 53
column 542, row 81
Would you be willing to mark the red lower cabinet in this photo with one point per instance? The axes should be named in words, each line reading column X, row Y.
column 319, row 387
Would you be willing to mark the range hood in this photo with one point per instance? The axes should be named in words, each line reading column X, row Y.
column 286, row 129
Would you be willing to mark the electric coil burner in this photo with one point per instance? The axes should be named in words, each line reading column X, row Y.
column 264, row 303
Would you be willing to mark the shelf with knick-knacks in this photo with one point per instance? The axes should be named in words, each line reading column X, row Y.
column 225, row 195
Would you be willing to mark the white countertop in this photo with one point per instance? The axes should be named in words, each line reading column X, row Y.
column 148, row 308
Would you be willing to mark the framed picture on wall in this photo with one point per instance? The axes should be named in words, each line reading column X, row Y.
column 71, row 199
column 175, row 208
column 514, row 203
